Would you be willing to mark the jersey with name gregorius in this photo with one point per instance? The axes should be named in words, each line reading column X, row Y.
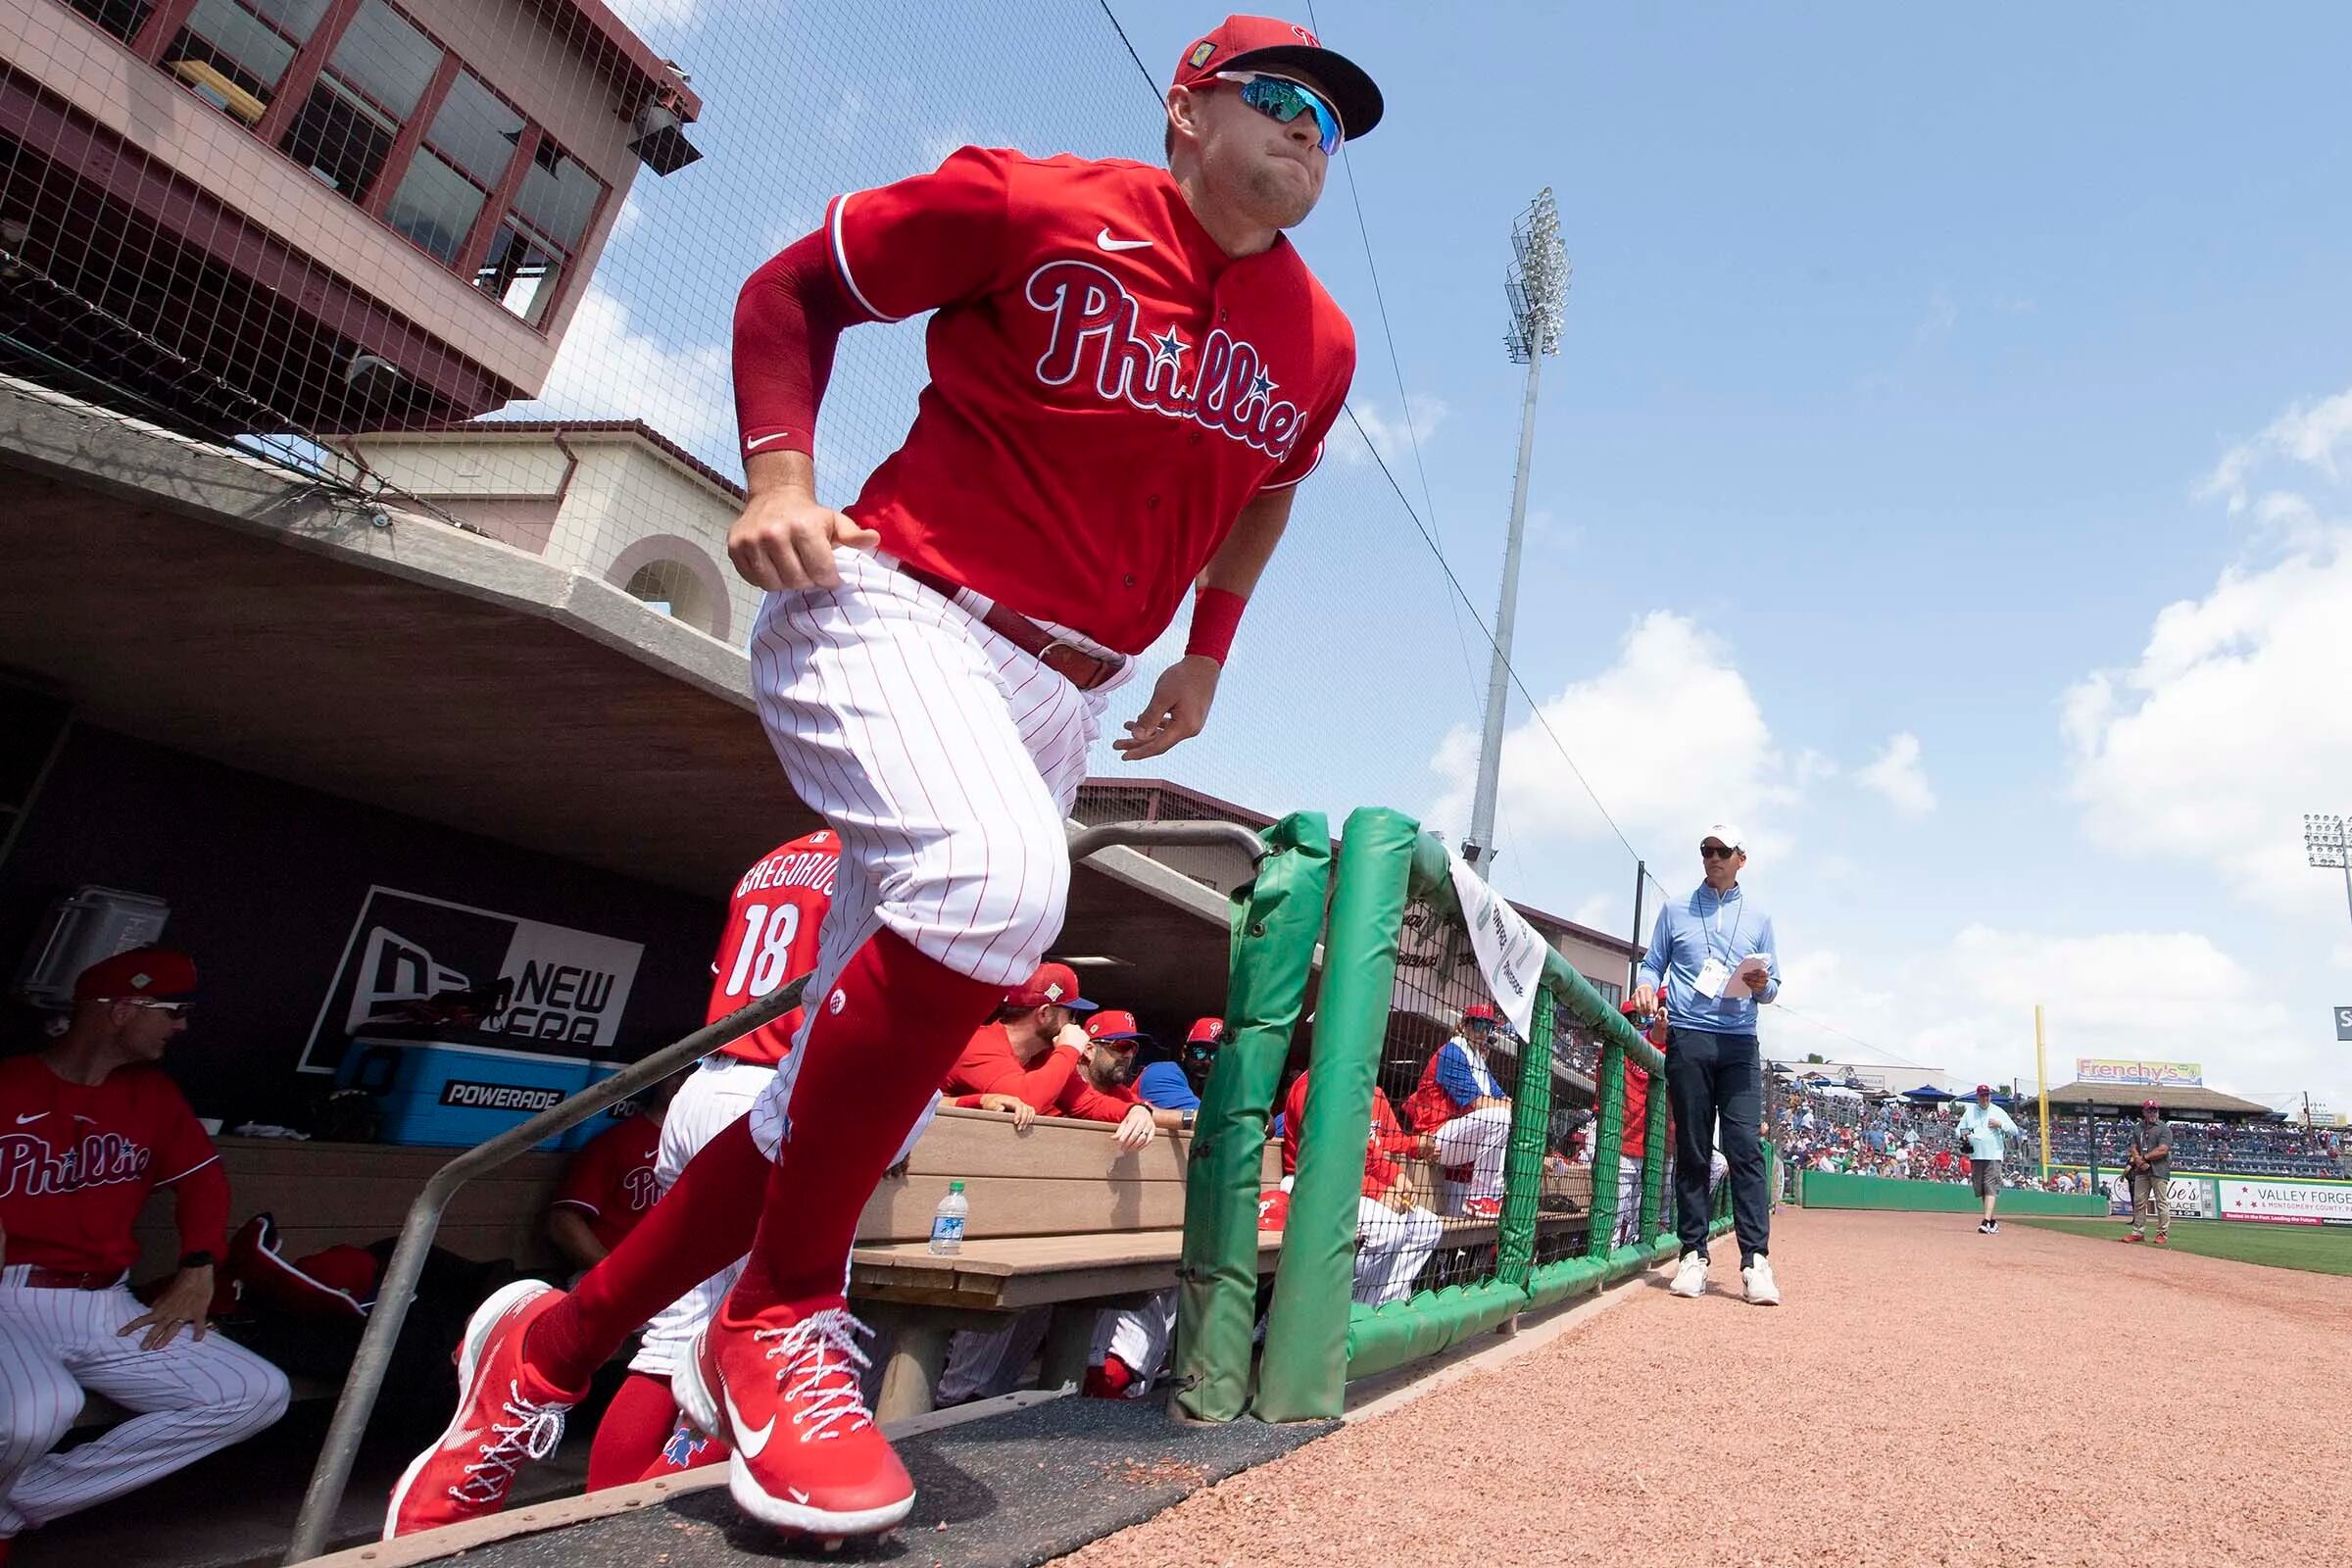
column 772, row 922
column 1108, row 388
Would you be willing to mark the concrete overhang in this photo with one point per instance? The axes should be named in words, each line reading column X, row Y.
column 204, row 599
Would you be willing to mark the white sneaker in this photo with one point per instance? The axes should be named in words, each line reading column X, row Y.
column 1690, row 1276
column 1762, row 1291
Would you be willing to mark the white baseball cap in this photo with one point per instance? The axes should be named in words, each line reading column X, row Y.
column 1726, row 835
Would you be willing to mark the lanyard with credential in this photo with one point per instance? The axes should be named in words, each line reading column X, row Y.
column 1715, row 929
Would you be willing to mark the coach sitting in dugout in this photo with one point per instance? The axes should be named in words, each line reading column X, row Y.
column 88, row 1128
column 1461, row 1101
column 609, row 1185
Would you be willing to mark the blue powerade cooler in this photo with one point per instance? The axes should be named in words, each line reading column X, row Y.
column 445, row 1096
column 605, row 1120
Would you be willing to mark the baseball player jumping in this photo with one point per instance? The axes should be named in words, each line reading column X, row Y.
column 1131, row 368
column 88, row 1128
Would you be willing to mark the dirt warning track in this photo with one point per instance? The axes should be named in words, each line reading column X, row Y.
column 1927, row 1395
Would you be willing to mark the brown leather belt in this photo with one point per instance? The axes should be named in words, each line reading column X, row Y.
column 64, row 1279
column 1074, row 664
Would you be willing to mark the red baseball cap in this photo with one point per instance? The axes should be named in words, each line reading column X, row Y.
column 1053, row 986
column 1984, row 1088
column 1480, row 1012
column 1112, row 1025
column 2149, row 1105
column 139, row 973
column 1210, row 1030
column 1270, row 45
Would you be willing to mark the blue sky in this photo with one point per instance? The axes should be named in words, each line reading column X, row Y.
column 1915, row 365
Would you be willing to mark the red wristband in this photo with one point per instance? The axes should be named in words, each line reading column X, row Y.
column 1216, row 617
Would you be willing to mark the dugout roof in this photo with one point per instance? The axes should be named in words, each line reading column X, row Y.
column 193, row 597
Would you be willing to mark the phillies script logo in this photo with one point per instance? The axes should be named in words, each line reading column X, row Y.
column 639, row 1185
column 1095, row 329
column 100, row 1159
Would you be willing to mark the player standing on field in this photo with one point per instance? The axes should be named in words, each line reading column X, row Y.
column 1130, row 370
column 1985, row 1126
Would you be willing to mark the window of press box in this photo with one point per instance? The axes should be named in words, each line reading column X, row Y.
column 435, row 206
column 379, row 68
column 522, row 271
column 233, row 53
column 122, row 17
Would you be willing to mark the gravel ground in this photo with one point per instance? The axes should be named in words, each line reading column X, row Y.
column 1927, row 1395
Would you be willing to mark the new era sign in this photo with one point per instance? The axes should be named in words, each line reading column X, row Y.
column 2343, row 1023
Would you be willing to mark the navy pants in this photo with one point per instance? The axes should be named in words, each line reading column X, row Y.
column 1711, row 1077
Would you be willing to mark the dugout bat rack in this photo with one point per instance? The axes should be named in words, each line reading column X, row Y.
column 398, row 1288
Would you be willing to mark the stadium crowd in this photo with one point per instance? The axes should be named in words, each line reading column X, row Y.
column 2255, row 1149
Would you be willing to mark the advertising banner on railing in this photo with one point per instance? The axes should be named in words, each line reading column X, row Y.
column 2287, row 1202
column 1510, row 951
column 2146, row 1074
column 2191, row 1197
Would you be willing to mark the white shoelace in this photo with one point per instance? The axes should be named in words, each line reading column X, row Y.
column 530, row 1432
column 822, row 1361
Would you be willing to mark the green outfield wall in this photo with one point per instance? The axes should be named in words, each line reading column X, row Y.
column 1825, row 1188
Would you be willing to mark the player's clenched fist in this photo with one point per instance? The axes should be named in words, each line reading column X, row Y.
column 785, row 539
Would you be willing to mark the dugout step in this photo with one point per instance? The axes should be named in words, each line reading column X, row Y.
column 1008, row 1492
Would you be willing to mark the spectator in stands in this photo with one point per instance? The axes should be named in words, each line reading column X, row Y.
column 1984, row 1125
column 609, row 1185
column 1177, row 1084
column 1713, row 955
column 1393, row 1235
column 90, row 1125
column 2149, row 1162
column 1461, row 1101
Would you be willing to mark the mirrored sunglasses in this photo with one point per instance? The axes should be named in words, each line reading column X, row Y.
column 1280, row 99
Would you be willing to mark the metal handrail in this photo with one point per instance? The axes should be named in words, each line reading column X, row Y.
column 406, row 1267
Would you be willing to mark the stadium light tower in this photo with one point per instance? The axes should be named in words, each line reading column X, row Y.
column 2328, row 842
column 1537, row 287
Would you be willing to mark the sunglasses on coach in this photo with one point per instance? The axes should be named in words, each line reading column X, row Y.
column 173, row 1009
column 1715, row 852
column 1280, row 99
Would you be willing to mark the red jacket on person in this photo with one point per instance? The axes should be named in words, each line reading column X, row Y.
column 1385, row 1144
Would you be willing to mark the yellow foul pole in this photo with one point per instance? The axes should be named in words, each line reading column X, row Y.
column 2041, row 1081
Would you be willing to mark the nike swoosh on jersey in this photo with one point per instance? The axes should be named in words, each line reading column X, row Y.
column 749, row 1441
column 1105, row 240
column 35, row 1116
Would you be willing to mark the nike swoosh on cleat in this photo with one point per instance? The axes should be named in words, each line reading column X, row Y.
column 798, row 1496
column 1105, row 240
column 749, row 1441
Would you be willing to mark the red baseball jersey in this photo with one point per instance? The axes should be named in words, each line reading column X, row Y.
column 773, row 923
column 77, row 1162
column 613, row 1178
column 1108, row 388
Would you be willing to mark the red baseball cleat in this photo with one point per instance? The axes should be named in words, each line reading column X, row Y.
column 1483, row 1208
column 2161, row 1242
column 506, row 1419
column 781, row 1387
column 2132, row 1237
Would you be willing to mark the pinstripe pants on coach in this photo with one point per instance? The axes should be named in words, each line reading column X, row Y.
column 945, row 759
column 195, row 1396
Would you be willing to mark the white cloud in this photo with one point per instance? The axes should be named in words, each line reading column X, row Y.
column 2230, row 727
column 2312, row 434
column 1669, row 737
column 613, row 368
column 1387, row 430
column 1941, row 315
column 1897, row 774
column 841, row 124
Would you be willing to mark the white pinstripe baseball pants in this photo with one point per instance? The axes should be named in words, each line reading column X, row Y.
column 945, row 759
column 195, row 1396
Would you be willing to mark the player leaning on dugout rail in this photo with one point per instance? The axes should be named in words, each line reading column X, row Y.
column 1130, row 370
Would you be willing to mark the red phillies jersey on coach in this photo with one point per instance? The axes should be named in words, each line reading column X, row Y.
column 773, row 923
column 1108, row 388
column 77, row 1162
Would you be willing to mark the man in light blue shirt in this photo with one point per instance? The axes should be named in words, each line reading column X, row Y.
column 1714, row 958
column 1982, row 1125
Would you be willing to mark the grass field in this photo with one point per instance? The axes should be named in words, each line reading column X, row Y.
column 2314, row 1248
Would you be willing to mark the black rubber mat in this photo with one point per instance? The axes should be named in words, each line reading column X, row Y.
column 1005, row 1493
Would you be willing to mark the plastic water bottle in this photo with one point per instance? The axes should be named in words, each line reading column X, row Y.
column 946, row 1222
